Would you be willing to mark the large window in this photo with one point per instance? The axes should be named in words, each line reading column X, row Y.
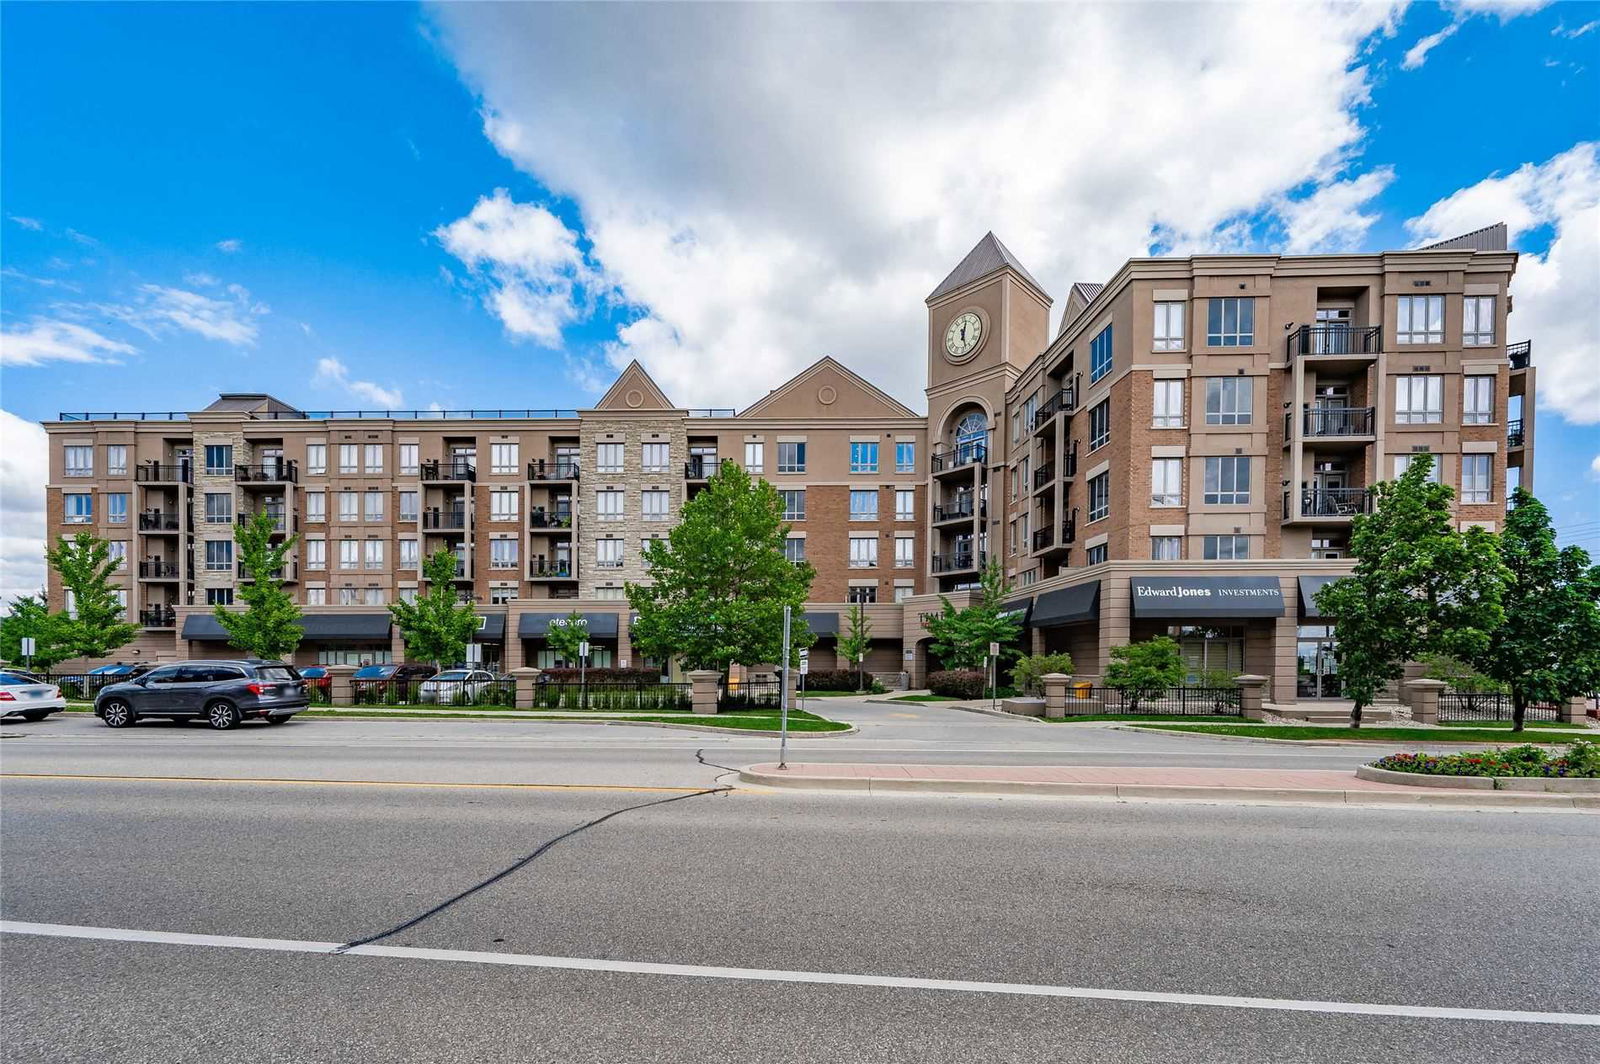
column 219, row 555
column 372, row 458
column 656, row 457
column 794, row 503
column 1476, row 477
column 1477, row 321
column 1100, row 355
column 1167, row 405
column 1419, row 400
column 219, row 596
column 1419, row 320
column 349, row 554
column 863, row 552
column 905, row 504
column 863, row 457
column 117, row 551
column 1230, row 400
column 1477, row 400
column 1166, row 548
column 1166, row 482
column 219, row 459
column 117, row 508
column 317, row 553
column 408, row 505
column 608, row 458
column 755, row 457
column 79, row 461
column 1096, row 555
column 905, row 552
column 1227, row 480
column 905, row 457
column 349, row 457
column 410, row 554
column 503, row 505
column 372, row 505
column 1100, row 424
column 77, row 507
column 1231, row 322
column 1099, row 496
column 655, row 505
column 408, row 459
column 504, row 457
column 608, row 553
column 608, row 504
column 792, row 457
column 117, row 460
column 794, row 548
column 863, row 595
column 316, row 506
column 372, row 554
column 317, row 459
column 1169, row 326
column 1224, row 548
column 1402, row 462
column 219, row 508
column 502, row 554
column 863, row 506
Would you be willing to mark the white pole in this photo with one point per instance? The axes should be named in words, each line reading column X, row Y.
column 783, row 698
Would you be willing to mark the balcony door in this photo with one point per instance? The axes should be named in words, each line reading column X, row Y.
column 1332, row 334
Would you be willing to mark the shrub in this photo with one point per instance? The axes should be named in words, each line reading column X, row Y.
column 605, row 675
column 1143, row 671
column 1027, row 671
column 1218, row 679
column 1581, row 761
column 832, row 680
column 958, row 683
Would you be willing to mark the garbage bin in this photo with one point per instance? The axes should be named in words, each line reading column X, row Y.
column 1081, row 689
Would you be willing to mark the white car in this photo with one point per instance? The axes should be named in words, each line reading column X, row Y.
column 456, row 687
column 27, row 697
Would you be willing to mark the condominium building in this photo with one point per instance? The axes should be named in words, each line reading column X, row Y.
column 1182, row 453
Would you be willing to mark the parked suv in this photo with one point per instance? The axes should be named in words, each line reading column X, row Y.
column 377, row 684
column 223, row 693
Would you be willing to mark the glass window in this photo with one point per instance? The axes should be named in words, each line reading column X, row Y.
column 1477, row 321
column 316, row 506
column 792, row 457
column 794, row 548
column 502, row 554
column 316, row 554
column 794, row 504
column 372, row 505
column 1419, row 400
column 349, row 554
column 1169, row 326
column 755, row 457
column 656, row 457
column 1096, row 555
column 117, row 551
column 408, row 459
column 349, row 457
column 863, row 457
column 1227, row 480
column 608, row 504
column 1100, row 424
column 1099, row 496
column 372, row 458
column 1166, row 482
column 1231, row 322
column 1100, row 355
column 1167, row 406
column 372, row 596
column 1230, row 400
column 347, row 597
column 503, row 505
column 317, row 458
column 905, row 504
column 219, row 596
column 373, row 554
column 116, row 460
column 499, row 596
column 903, row 592
column 117, row 508
column 504, row 457
column 861, row 595
column 608, row 553
column 407, row 594
column 219, row 555
column 905, row 551
column 219, row 508
column 1476, row 478
column 905, row 457
column 408, row 506
column 1419, row 320
column 863, row 552
column 1225, row 548
column 316, row 596
column 1477, row 400
column 349, row 506
column 1402, row 462
column 410, row 554
column 78, row 508
column 79, row 461
column 655, row 504
column 863, row 506
column 219, row 459
column 1166, row 548
column 608, row 458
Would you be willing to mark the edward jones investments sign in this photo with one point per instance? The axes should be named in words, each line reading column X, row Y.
column 1208, row 596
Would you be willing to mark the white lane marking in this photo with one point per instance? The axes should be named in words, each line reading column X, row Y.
column 769, row 975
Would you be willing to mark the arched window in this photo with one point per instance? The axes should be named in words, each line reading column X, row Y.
column 972, row 432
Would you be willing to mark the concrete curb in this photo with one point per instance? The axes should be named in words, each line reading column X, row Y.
column 701, row 729
column 1528, row 784
column 1369, row 744
column 1274, row 795
column 984, row 710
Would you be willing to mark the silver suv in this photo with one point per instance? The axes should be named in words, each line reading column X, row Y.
column 223, row 693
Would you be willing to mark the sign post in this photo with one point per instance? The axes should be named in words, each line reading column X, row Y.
column 27, row 652
column 805, row 667
column 783, row 697
column 583, row 673
column 994, row 676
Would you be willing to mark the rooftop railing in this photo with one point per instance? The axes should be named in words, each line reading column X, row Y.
column 1520, row 354
column 496, row 414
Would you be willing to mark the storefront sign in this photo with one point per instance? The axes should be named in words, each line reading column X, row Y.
column 1208, row 596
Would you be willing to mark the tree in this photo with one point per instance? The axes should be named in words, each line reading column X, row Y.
column 1145, row 670
column 268, row 626
column 1546, row 647
column 853, row 645
column 438, row 626
column 1029, row 671
column 961, row 637
column 565, row 634
column 1462, row 678
column 29, row 616
column 93, row 627
column 1419, row 586
column 720, row 580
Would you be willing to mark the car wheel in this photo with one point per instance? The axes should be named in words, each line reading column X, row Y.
column 222, row 715
column 36, row 715
column 117, row 713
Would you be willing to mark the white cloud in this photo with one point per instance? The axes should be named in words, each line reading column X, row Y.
column 532, row 270
column 26, row 223
column 1417, row 54
column 770, row 183
column 228, row 247
column 42, row 341
column 1556, row 306
column 1506, row 9
column 24, row 468
column 1594, row 468
column 331, row 373
column 200, row 279
column 1562, row 30
column 232, row 317
column 1330, row 219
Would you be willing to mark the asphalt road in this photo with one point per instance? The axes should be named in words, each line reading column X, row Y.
column 1336, row 905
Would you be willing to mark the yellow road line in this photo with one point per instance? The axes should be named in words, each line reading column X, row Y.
column 347, row 783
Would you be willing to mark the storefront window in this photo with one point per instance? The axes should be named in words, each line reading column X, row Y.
column 1316, row 670
column 1210, row 649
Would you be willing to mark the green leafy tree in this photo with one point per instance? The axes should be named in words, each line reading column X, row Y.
column 96, row 626
column 1029, row 671
column 269, row 624
column 30, row 616
column 1547, row 645
column 720, row 580
column 1145, row 670
column 438, row 626
column 857, row 638
column 1420, row 586
column 1462, row 678
column 961, row 637
column 563, row 638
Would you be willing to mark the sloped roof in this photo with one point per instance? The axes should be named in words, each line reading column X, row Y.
column 794, row 398
column 634, row 390
column 1489, row 238
column 988, row 256
column 1079, row 296
column 251, row 403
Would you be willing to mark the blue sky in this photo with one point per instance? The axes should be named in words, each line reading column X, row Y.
column 303, row 198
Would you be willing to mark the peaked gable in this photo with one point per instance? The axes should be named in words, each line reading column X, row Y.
column 827, row 389
column 634, row 390
column 988, row 256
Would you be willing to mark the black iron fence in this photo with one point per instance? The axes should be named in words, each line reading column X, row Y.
column 498, row 691
column 83, row 686
column 1467, row 705
column 1175, row 701
column 751, row 694
column 614, row 697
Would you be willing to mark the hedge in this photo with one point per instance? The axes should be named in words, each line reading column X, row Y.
column 959, row 683
column 603, row 675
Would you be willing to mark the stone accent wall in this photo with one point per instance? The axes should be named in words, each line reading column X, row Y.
column 632, row 431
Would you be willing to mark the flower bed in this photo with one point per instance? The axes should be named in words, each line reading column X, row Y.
column 1580, row 761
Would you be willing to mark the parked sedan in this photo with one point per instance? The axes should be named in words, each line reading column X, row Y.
column 89, row 684
column 222, row 693
column 28, row 697
column 456, row 687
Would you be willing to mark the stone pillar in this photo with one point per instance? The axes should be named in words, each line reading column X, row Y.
column 1573, row 710
column 340, row 693
column 1425, row 700
column 527, row 681
column 703, row 689
column 1055, row 694
column 1252, row 693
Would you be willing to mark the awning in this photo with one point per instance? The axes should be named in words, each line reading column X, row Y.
column 1069, row 604
column 822, row 623
column 1208, row 596
column 1309, row 586
column 1018, row 610
column 537, row 625
column 491, row 628
column 367, row 627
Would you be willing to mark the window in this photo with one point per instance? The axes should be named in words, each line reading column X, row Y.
column 1231, row 322
column 348, row 506
column 499, row 596
column 1402, row 462
column 608, row 553
column 349, row 554
column 905, row 551
column 1166, row 482
column 79, row 461
column 905, row 504
column 863, row 506
column 1225, row 548
column 219, row 508
column 655, row 505
column 609, row 505
column 372, row 596
column 904, row 591
column 1477, row 321
column 349, row 457
column 316, row 596
column 406, row 594
column 408, row 459
column 1169, row 327
column 600, row 657
column 410, row 554
column 1230, row 400
column 117, row 551
column 1227, row 480
column 1476, row 483
column 1419, row 320
column 861, row 595
column 372, row 505
column 503, row 505
column 1167, row 406
column 656, row 457
column 905, row 457
column 794, row 548
column 1016, row 427
column 1096, row 555
column 1418, row 400
column 317, row 505
column 1100, row 355
column 219, row 459
column 316, row 554
column 372, row 458
column 863, row 457
column 219, row 596
column 117, row 508
column 408, row 506
column 116, row 460
column 794, row 504
column 608, row 458
column 1099, row 496
column 347, row 596
column 792, row 457
column 755, row 457
column 373, row 554
column 78, row 508
column 317, row 458
column 502, row 554
column 1477, row 400
column 863, row 552
column 1166, row 548
column 71, row 603
column 503, row 457
column 219, row 555
column 1099, row 425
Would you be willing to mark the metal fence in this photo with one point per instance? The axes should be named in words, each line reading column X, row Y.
column 430, row 692
column 1175, row 701
column 1463, row 705
column 752, row 694
column 614, row 697
column 81, row 686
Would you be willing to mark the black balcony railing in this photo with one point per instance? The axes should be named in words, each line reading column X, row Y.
column 279, row 573
column 1069, row 462
column 1044, row 475
column 451, row 471
column 158, row 617
column 1338, row 421
column 1069, row 529
column 542, row 518
column 959, row 510
column 158, row 473
column 444, row 520
column 556, row 570
column 1336, row 340
column 1064, row 401
column 700, row 467
column 282, row 521
column 1514, row 437
column 268, row 473
column 1520, row 354
column 1044, row 537
column 959, row 561
column 559, row 469
column 158, row 570
column 961, row 455
column 1332, row 502
column 160, row 521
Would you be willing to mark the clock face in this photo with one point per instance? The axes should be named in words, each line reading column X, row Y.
column 963, row 335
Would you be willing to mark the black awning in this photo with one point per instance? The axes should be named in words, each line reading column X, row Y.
column 491, row 628
column 1018, row 610
column 203, row 626
column 367, row 627
column 1309, row 586
column 822, row 623
column 537, row 625
column 1207, row 596
column 1069, row 604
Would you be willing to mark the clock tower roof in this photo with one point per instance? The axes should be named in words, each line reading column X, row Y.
column 987, row 257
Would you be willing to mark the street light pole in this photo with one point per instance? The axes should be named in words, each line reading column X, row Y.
column 783, row 698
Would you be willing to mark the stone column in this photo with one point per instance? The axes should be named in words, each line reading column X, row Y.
column 340, row 693
column 527, row 681
column 1425, row 700
column 703, row 689
column 1055, row 694
column 1573, row 710
column 1252, row 695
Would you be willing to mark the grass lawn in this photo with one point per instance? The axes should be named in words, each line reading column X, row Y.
column 798, row 719
column 1369, row 734
column 1188, row 718
column 1506, row 724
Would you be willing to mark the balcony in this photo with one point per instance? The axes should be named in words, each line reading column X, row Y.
column 1520, row 354
column 959, row 561
column 700, row 467
column 1334, row 341
column 158, row 617
column 454, row 471
column 1044, row 537
column 552, row 519
column 960, row 510
column 967, row 454
column 1514, row 436
column 1328, row 504
column 160, row 521
column 559, row 469
column 157, row 473
column 283, row 574
column 437, row 520
column 554, row 570
column 1064, row 401
column 1069, row 530
column 159, row 570
column 269, row 473
column 1044, row 475
column 1323, row 422
column 282, row 521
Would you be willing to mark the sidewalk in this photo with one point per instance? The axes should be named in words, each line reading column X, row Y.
column 1184, row 784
